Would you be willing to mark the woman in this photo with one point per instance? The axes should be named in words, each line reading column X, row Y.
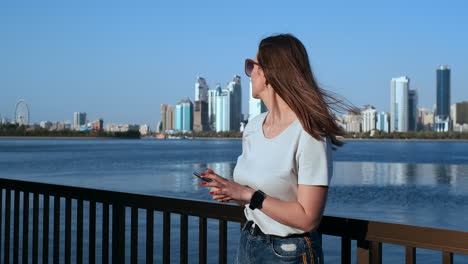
column 283, row 173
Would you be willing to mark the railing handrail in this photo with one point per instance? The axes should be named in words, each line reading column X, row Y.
column 207, row 209
column 353, row 229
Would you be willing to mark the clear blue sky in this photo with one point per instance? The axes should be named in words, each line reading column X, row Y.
column 121, row 60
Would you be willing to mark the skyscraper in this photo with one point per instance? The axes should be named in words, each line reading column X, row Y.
column 234, row 87
column 399, row 104
column 425, row 119
column 79, row 119
column 383, row 122
column 223, row 110
column 201, row 90
column 184, row 116
column 442, row 113
column 200, row 115
column 163, row 118
column 170, row 119
column 256, row 106
column 368, row 118
column 412, row 110
column 460, row 113
column 178, row 117
column 352, row 122
column 187, row 117
column 212, row 106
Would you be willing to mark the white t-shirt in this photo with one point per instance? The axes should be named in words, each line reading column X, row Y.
column 276, row 166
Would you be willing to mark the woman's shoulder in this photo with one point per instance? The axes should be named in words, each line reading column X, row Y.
column 306, row 140
column 255, row 124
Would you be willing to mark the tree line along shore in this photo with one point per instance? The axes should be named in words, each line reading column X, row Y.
column 13, row 130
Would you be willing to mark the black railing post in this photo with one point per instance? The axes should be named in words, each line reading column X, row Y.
column 105, row 233
column 118, row 234
column 16, row 227
column 1, row 214
column 166, row 237
column 25, row 227
column 6, row 252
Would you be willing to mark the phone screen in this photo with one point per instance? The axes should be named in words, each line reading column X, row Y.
column 198, row 175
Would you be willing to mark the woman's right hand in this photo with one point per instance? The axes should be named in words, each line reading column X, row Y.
column 223, row 198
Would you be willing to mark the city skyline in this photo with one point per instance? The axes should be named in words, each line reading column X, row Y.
column 411, row 106
column 121, row 64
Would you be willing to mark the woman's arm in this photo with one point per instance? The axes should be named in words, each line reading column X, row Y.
column 304, row 214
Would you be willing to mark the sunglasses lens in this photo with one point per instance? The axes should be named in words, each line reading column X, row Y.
column 248, row 68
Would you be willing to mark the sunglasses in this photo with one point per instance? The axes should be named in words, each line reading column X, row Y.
column 249, row 66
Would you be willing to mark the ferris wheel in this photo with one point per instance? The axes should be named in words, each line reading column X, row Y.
column 22, row 113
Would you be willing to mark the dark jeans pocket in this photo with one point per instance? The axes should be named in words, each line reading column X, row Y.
column 288, row 249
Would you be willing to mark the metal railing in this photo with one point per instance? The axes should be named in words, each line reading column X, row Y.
column 369, row 234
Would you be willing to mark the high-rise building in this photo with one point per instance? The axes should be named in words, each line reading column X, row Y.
column 223, row 111
column 201, row 90
column 212, row 106
column 383, row 122
column 425, row 119
column 178, row 124
column 412, row 110
column 163, row 117
column 399, row 104
column 79, row 119
column 368, row 118
column 200, row 116
column 184, row 116
column 234, row 87
column 459, row 113
column 351, row 122
column 188, row 116
column 170, row 119
column 442, row 114
column 256, row 106
column 159, row 127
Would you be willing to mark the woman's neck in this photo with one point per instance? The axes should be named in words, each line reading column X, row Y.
column 278, row 110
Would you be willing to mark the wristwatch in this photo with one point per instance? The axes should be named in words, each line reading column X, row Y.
column 257, row 200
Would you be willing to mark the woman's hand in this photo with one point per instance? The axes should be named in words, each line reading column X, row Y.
column 225, row 190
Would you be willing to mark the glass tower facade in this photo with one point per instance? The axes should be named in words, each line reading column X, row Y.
column 234, row 87
column 412, row 110
column 399, row 104
column 443, row 92
column 442, row 114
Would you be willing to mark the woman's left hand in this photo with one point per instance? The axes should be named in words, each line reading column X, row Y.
column 227, row 188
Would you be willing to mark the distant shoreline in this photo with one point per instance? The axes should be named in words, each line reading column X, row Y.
column 46, row 137
column 213, row 138
column 401, row 139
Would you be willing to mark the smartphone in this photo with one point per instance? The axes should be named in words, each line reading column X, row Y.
column 200, row 177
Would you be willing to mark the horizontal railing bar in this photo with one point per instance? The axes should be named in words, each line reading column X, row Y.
column 353, row 229
column 398, row 234
column 172, row 205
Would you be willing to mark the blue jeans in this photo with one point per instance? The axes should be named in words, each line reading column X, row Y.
column 273, row 249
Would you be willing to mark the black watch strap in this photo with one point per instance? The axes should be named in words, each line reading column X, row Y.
column 257, row 200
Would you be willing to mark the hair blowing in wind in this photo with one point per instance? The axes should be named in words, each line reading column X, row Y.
column 286, row 66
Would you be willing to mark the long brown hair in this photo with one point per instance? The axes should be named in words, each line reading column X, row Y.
column 286, row 66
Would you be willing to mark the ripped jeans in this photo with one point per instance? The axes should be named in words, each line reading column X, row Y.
column 255, row 248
